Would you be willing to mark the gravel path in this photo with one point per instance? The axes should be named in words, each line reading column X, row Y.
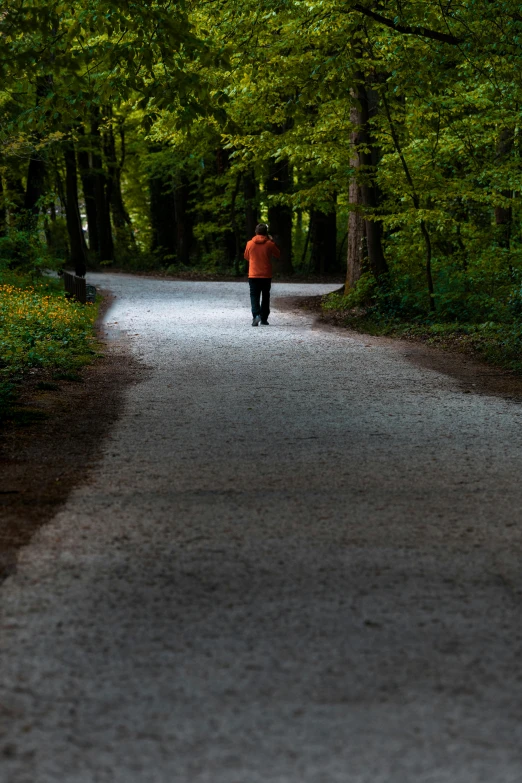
column 297, row 562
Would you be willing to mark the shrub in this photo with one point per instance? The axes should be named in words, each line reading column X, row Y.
column 24, row 252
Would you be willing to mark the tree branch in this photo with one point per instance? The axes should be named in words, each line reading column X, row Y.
column 423, row 32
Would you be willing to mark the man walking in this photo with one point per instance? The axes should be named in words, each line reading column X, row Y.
column 258, row 253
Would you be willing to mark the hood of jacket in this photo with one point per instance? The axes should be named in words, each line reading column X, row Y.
column 260, row 239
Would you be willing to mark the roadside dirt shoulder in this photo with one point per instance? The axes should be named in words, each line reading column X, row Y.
column 56, row 440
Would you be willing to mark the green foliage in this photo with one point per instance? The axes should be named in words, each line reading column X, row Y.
column 95, row 52
column 212, row 95
column 362, row 295
column 24, row 251
column 39, row 328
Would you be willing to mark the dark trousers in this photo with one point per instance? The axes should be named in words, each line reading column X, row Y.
column 260, row 287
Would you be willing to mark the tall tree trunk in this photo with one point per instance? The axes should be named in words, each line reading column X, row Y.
column 102, row 195
column 251, row 207
column 371, row 194
column 504, row 215
column 356, row 222
column 184, row 223
column 280, row 215
column 229, row 240
column 364, row 160
column 163, row 219
column 36, row 172
column 35, row 190
column 88, row 179
column 120, row 217
column 307, row 242
column 72, row 212
column 238, row 254
column 323, row 236
column 59, row 241
column 48, row 228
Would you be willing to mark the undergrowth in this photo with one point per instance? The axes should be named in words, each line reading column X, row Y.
column 40, row 328
column 496, row 339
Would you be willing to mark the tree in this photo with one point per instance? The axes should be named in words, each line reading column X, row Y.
column 398, row 118
column 74, row 224
column 76, row 60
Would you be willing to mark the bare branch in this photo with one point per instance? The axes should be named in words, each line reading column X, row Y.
column 422, row 32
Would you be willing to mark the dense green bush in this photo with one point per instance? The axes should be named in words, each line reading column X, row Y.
column 26, row 253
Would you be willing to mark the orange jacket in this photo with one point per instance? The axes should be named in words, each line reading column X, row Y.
column 258, row 253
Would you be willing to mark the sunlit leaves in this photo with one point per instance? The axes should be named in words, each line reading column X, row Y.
column 100, row 50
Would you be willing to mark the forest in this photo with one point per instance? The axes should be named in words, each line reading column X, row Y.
column 379, row 140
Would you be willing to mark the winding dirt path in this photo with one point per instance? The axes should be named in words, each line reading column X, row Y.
column 298, row 561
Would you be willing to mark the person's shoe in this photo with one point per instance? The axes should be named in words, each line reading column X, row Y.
column 256, row 320
column 265, row 323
